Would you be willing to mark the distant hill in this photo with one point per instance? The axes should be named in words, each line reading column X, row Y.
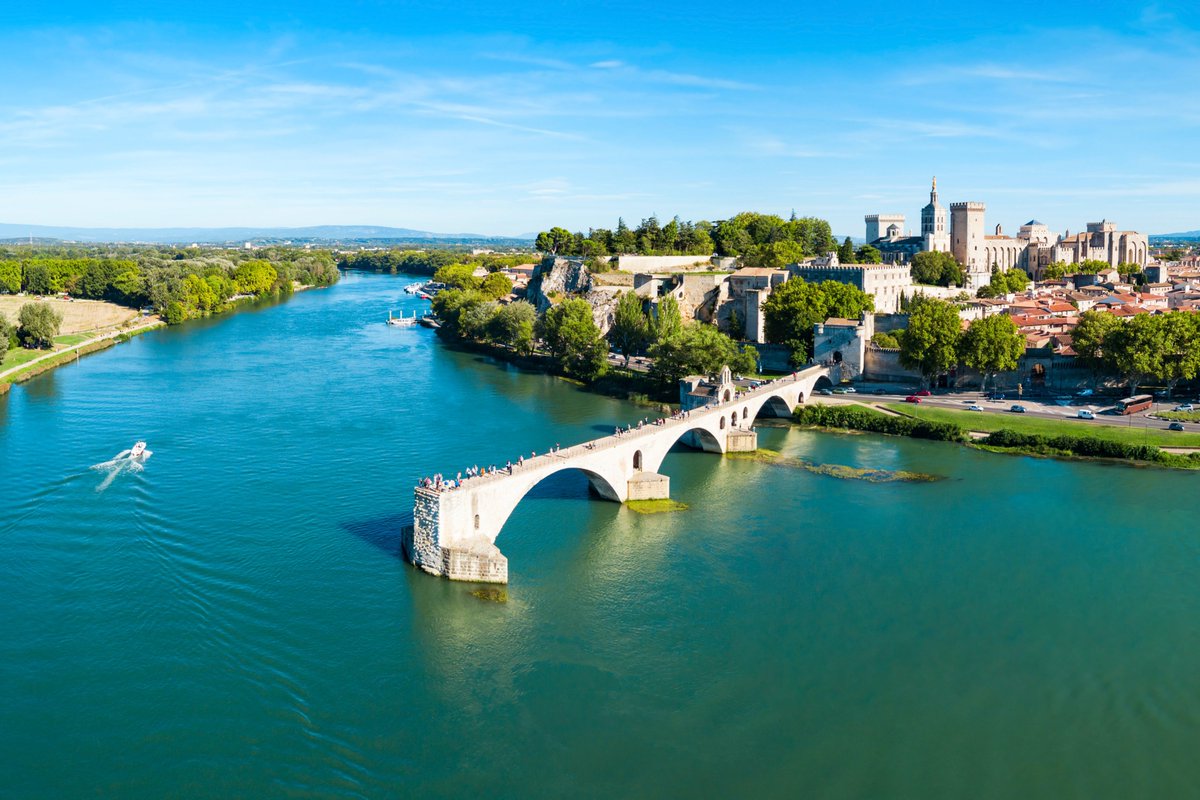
column 315, row 233
column 1184, row 235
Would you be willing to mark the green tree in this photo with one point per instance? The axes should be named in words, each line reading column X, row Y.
column 1089, row 336
column 624, row 240
column 930, row 344
column 794, row 307
column 1091, row 266
column 574, row 340
column 457, row 276
column 37, row 278
column 937, row 268
column 630, row 330
column 495, row 286
column 10, row 277
column 556, row 241
column 1134, row 349
column 450, row 304
column 174, row 314
column 39, row 324
column 699, row 349
column 6, row 334
column 513, row 325
column 1056, row 270
column 255, row 277
column 885, row 339
column 1179, row 354
column 1130, row 272
column 991, row 345
column 776, row 255
column 868, row 254
column 668, row 322
column 846, row 252
column 1008, row 282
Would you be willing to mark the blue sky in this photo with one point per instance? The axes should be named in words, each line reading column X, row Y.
column 506, row 118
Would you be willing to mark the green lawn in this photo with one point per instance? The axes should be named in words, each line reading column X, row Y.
column 17, row 356
column 1021, row 423
column 68, row 339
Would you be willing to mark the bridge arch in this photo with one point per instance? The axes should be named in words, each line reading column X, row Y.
column 774, row 406
column 609, row 487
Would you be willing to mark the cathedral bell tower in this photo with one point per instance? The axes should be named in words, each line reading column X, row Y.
column 934, row 228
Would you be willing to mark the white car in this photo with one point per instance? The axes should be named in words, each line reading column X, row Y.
column 1085, row 414
column 974, row 407
column 1184, row 407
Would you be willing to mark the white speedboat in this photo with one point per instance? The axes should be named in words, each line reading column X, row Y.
column 138, row 449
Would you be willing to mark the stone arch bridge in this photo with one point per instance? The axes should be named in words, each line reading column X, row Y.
column 454, row 530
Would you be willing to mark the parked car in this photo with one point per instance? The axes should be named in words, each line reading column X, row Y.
column 1175, row 426
column 825, row 390
column 1085, row 414
column 974, row 407
column 1084, row 393
column 997, row 397
column 912, row 398
column 924, row 393
column 845, row 390
column 1018, row 409
column 839, row 390
column 1185, row 407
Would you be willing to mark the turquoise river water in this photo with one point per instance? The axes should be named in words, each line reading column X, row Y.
column 235, row 621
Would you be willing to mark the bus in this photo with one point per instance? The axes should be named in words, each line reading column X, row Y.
column 1135, row 405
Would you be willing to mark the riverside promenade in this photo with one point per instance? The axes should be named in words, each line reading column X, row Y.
column 454, row 530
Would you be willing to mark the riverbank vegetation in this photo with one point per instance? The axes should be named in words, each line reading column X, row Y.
column 1104, row 445
column 427, row 262
column 860, row 418
column 180, row 283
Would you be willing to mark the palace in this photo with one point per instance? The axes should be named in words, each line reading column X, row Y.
column 1032, row 249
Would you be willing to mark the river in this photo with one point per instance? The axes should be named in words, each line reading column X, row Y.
column 235, row 620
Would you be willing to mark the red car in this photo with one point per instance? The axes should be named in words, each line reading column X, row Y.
column 912, row 398
column 924, row 393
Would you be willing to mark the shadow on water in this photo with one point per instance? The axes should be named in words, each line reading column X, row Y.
column 381, row 532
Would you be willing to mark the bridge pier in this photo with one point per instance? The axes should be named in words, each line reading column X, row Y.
column 741, row 441
column 649, row 486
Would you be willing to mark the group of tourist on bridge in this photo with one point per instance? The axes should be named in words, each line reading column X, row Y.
column 441, row 483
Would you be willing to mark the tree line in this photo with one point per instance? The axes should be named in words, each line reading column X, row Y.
column 1139, row 348
column 427, row 262
column 179, row 284
column 761, row 240
column 935, row 343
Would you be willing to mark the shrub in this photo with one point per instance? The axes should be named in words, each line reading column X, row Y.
column 1076, row 445
column 864, row 419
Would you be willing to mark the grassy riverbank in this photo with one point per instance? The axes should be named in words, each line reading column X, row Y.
column 989, row 422
column 851, row 417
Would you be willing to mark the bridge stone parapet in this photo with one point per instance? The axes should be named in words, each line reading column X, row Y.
column 454, row 531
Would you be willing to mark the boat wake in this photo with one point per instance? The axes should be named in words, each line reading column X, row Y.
column 124, row 461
